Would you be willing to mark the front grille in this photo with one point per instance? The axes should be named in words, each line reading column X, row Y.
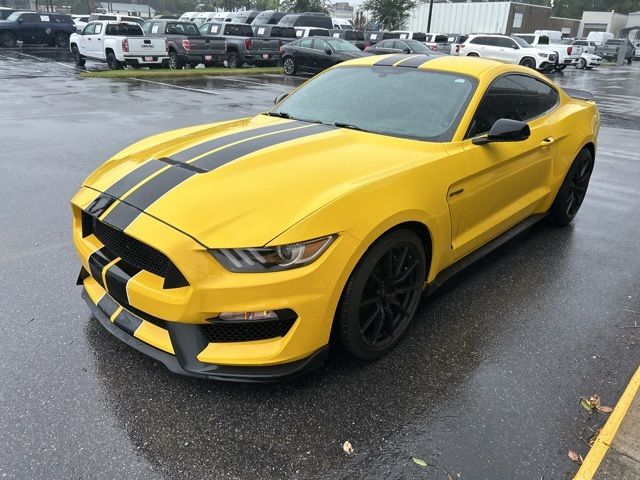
column 132, row 251
column 221, row 331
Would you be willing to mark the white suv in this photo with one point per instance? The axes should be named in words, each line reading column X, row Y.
column 509, row 50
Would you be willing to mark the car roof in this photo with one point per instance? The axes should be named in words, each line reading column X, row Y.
column 472, row 66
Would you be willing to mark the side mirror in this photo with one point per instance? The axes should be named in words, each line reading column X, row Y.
column 279, row 98
column 407, row 50
column 505, row 130
column 328, row 51
column 21, row 20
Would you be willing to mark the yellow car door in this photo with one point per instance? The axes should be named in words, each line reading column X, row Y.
column 505, row 182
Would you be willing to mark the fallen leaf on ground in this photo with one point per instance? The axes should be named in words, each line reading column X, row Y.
column 584, row 403
column 573, row 456
column 604, row 409
column 419, row 461
column 347, row 447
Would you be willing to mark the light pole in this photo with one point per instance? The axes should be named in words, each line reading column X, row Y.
column 429, row 18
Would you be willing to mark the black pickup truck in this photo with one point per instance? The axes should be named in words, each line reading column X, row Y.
column 186, row 45
column 283, row 35
column 243, row 46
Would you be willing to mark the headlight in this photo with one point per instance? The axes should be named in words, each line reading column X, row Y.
column 545, row 55
column 270, row 259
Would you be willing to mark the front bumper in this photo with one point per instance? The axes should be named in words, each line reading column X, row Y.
column 186, row 340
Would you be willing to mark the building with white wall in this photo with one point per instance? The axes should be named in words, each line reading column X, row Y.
column 602, row 22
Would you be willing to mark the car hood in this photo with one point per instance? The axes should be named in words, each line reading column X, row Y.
column 266, row 175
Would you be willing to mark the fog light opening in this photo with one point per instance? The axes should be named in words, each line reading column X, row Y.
column 238, row 316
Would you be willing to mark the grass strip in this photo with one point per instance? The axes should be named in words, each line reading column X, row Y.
column 189, row 72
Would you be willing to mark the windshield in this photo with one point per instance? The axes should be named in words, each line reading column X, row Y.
column 341, row 45
column 199, row 21
column 520, row 41
column 420, row 104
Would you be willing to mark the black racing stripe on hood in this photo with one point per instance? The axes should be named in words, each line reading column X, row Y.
column 227, row 155
column 415, row 62
column 389, row 61
column 99, row 205
column 193, row 152
column 123, row 214
column 152, row 166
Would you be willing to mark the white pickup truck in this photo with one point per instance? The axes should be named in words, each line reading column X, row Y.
column 119, row 44
column 567, row 54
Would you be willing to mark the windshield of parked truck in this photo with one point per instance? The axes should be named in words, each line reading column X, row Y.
column 521, row 42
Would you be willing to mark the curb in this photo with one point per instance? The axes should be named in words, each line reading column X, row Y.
column 601, row 446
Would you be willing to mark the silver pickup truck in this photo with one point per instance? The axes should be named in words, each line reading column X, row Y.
column 616, row 49
column 242, row 45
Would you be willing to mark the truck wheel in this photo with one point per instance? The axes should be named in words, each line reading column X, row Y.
column 8, row 39
column 112, row 62
column 582, row 64
column 174, row 61
column 289, row 65
column 61, row 40
column 80, row 60
column 233, row 60
column 528, row 62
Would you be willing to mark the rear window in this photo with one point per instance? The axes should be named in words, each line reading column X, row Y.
column 421, row 37
column 124, row 30
column 439, row 39
column 314, row 21
column 527, row 38
column 239, row 30
column 353, row 35
column 288, row 20
column 61, row 19
column 182, row 29
column 284, row 32
column 137, row 20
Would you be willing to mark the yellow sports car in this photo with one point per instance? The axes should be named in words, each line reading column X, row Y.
column 237, row 250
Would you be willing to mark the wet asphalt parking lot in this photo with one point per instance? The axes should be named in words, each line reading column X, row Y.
column 485, row 385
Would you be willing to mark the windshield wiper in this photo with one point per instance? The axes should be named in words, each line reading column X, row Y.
column 278, row 114
column 350, row 126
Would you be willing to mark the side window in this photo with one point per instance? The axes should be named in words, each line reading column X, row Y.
column 320, row 45
column 504, row 42
column 146, row 26
column 543, row 40
column 98, row 29
column 516, row 97
column 89, row 29
column 306, row 43
column 30, row 18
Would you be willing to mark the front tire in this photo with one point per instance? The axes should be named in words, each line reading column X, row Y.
column 573, row 189
column 528, row 62
column 560, row 68
column 112, row 62
column 80, row 60
column 582, row 64
column 382, row 295
column 289, row 66
column 8, row 40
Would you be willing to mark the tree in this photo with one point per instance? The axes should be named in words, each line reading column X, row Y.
column 299, row 6
column 389, row 14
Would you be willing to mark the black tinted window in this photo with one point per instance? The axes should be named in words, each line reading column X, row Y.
column 284, row 32
column 516, row 97
column 504, row 42
column 319, row 44
column 306, row 43
column 30, row 18
column 239, row 30
column 182, row 29
column 480, row 40
column 543, row 40
column 124, row 30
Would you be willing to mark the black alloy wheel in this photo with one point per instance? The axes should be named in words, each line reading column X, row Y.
column 289, row 65
column 174, row 61
column 528, row 62
column 8, row 39
column 382, row 295
column 573, row 189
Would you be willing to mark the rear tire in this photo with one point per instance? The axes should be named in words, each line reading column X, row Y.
column 8, row 39
column 80, row 60
column 61, row 40
column 573, row 189
column 289, row 65
column 472, row 54
column 233, row 60
column 382, row 295
column 528, row 62
column 174, row 61
column 112, row 62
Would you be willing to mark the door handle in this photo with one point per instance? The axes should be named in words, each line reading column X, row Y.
column 547, row 141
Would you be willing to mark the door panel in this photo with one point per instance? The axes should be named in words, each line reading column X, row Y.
column 505, row 183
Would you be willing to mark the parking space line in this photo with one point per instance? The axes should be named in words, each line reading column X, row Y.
column 41, row 58
column 208, row 92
